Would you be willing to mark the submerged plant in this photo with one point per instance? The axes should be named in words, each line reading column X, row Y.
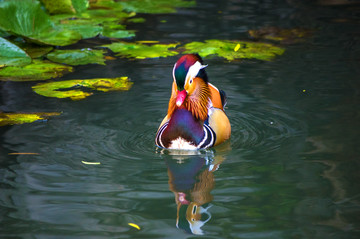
column 73, row 89
column 281, row 35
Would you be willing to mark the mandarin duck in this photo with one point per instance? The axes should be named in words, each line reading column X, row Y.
column 195, row 118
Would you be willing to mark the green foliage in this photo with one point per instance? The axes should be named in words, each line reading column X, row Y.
column 155, row 6
column 77, row 57
column 232, row 50
column 95, row 22
column 26, row 18
column 12, row 55
column 142, row 51
column 22, row 118
column 65, row 6
column 37, row 70
column 73, row 88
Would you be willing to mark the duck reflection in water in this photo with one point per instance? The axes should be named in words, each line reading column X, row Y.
column 191, row 179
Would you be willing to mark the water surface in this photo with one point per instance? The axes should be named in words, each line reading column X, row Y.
column 290, row 170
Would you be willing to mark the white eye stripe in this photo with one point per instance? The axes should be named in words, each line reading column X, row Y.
column 193, row 71
column 173, row 72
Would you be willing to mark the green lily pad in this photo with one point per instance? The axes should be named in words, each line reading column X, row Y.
column 142, row 51
column 73, row 88
column 78, row 57
column 233, row 50
column 95, row 22
column 12, row 55
column 22, row 118
column 86, row 27
column 27, row 19
column 281, row 35
column 37, row 70
column 155, row 6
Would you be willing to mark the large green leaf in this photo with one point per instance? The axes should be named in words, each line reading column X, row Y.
column 26, row 18
column 21, row 118
column 37, row 70
column 78, row 57
column 155, row 6
column 12, row 55
column 232, row 50
column 142, row 51
column 73, row 89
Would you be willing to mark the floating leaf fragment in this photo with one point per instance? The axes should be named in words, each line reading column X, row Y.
column 78, row 57
column 281, row 35
column 147, row 42
column 26, row 18
column 37, row 70
column 12, row 55
column 23, row 153
column 73, row 88
column 225, row 48
column 22, row 118
column 155, row 6
column 142, row 51
column 91, row 163
column 134, row 225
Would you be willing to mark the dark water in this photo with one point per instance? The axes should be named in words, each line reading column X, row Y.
column 291, row 169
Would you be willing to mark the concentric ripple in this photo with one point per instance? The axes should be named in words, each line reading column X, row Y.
column 263, row 125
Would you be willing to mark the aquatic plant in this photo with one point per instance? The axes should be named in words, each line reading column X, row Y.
column 74, row 89
column 37, row 70
column 77, row 57
column 234, row 50
column 141, row 50
column 22, row 118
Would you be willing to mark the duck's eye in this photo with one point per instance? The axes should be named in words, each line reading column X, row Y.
column 191, row 81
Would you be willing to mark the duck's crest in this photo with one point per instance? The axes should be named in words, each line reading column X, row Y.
column 182, row 66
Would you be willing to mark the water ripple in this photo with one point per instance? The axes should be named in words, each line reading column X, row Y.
column 265, row 125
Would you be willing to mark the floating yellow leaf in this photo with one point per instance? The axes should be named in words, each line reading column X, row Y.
column 22, row 118
column 237, row 47
column 73, row 88
column 90, row 163
column 149, row 42
column 134, row 225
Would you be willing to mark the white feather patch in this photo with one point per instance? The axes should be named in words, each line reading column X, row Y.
column 181, row 143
